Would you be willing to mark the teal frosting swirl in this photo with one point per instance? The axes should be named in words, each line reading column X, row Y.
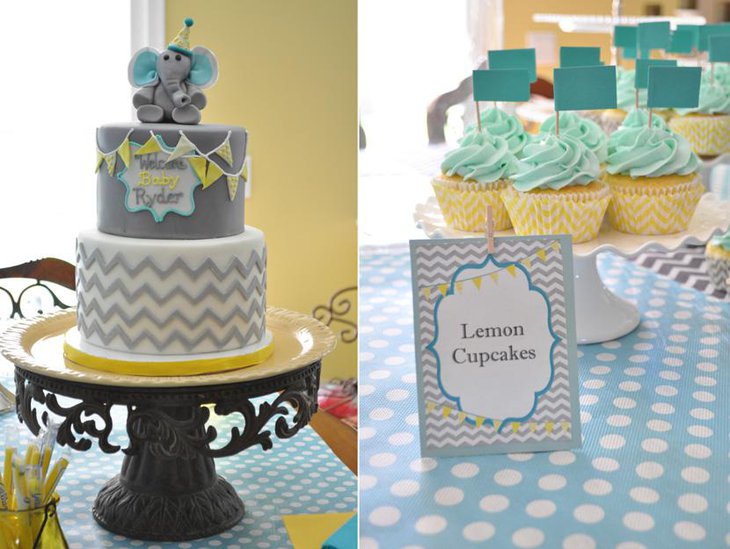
column 714, row 97
column 555, row 162
column 723, row 241
column 480, row 157
column 625, row 90
column 640, row 151
column 637, row 119
column 499, row 123
column 586, row 131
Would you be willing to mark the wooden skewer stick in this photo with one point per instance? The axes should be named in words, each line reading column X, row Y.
column 557, row 123
column 479, row 117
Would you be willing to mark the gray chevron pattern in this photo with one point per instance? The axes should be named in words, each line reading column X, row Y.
column 435, row 262
column 143, row 307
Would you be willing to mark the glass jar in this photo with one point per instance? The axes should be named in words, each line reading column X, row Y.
column 32, row 528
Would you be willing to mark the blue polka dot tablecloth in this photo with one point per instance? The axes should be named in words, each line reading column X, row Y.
column 654, row 469
column 298, row 476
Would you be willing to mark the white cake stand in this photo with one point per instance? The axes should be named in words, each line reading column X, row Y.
column 600, row 314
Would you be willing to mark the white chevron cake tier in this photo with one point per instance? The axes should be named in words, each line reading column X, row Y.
column 157, row 300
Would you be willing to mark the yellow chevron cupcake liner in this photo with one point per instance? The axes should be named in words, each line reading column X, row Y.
column 718, row 266
column 653, row 205
column 717, row 252
column 709, row 135
column 464, row 203
column 576, row 210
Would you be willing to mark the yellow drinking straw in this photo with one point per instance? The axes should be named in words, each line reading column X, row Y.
column 54, row 477
column 11, row 441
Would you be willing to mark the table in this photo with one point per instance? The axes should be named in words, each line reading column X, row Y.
column 653, row 469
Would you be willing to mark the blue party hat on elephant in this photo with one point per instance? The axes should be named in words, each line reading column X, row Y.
column 181, row 42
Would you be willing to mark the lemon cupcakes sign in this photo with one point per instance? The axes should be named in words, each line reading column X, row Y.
column 495, row 345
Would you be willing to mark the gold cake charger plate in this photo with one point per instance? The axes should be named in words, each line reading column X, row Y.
column 36, row 345
column 600, row 314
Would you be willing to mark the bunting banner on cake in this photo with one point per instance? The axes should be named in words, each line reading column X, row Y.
column 224, row 150
column 123, row 151
column 232, row 186
column 183, row 147
column 212, row 174
column 151, row 146
column 99, row 160
column 198, row 163
column 111, row 161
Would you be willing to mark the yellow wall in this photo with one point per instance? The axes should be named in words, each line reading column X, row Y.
column 288, row 75
column 518, row 22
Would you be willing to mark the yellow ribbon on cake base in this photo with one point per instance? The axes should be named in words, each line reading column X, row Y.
column 166, row 369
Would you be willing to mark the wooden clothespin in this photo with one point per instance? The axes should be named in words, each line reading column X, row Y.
column 490, row 230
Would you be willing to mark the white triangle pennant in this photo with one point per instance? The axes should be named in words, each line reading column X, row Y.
column 184, row 146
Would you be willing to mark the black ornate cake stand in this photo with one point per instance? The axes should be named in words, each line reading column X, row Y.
column 168, row 488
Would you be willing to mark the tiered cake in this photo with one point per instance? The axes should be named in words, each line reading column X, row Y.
column 171, row 282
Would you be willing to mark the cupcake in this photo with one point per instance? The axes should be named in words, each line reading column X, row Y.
column 586, row 131
column 718, row 261
column 557, row 190
column 504, row 125
column 706, row 127
column 473, row 177
column 654, row 178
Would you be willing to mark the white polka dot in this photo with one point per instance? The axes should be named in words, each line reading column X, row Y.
column 494, row 503
column 552, row 482
column 707, row 367
column 605, row 357
column 585, row 417
column 642, row 494
column 384, row 516
column 423, row 465
column 540, row 508
column 605, row 464
column 478, row 531
column 378, row 343
column 703, row 396
column 676, row 349
column 379, row 374
column 522, row 456
column 689, row 531
column 400, row 439
column 611, row 344
column 465, row 470
column 634, row 371
column 597, row 487
column 381, row 414
column 692, row 503
column 600, row 370
column 669, row 375
column 526, row 538
column 562, row 458
column 643, row 347
column 697, row 451
column 385, row 459
column 394, row 360
column 695, row 475
column 364, row 543
column 396, row 395
column 699, row 431
column 663, row 408
column 405, row 488
column 649, row 470
column 705, row 381
column 639, row 522
column 367, row 432
column 659, row 425
column 449, row 496
column 630, row 386
column 367, row 482
column 618, row 420
column 612, row 441
column 654, row 445
column 588, row 513
column 594, row 384
column 708, row 353
column 408, row 378
column 587, row 400
column 672, row 361
column 638, row 359
column 579, row 541
column 507, row 477
column 430, row 524
column 666, row 390
column 412, row 419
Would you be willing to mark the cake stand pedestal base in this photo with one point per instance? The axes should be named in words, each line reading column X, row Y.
column 600, row 315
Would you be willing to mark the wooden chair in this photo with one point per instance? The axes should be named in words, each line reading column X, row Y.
column 44, row 271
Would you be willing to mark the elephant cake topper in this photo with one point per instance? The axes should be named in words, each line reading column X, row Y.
column 171, row 81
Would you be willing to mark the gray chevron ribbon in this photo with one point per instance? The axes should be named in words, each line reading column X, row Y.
column 435, row 263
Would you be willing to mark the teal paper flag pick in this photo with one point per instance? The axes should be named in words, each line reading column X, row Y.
column 630, row 53
column 585, row 88
column 705, row 31
column 579, row 56
column 501, row 85
column 694, row 30
column 720, row 48
column 624, row 36
column 641, row 75
column 514, row 59
column 673, row 87
column 653, row 36
column 682, row 41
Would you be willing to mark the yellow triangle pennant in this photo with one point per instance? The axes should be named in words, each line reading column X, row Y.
column 430, row 406
column 497, row 423
column 515, row 426
column 224, row 151
column 549, row 426
column 111, row 162
column 479, row 421
column 565, row 425
column 123, row 151
column 198, row 163
column 183, row 147
column 512, row 269
column 459, row 286
column 99, row 160
column 443, row 288
column 446, row 411
column 462, row 416
column 527, row 262
column 152, row 146
column 541, row 253
column 212, row 175
column 232, row 186
column 533, row 426
column 427, row 292
column 555, row 246
column 244, row 170
column 477, row 283
column 494, row 276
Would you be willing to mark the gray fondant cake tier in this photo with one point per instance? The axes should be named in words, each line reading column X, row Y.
column 170, row 181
